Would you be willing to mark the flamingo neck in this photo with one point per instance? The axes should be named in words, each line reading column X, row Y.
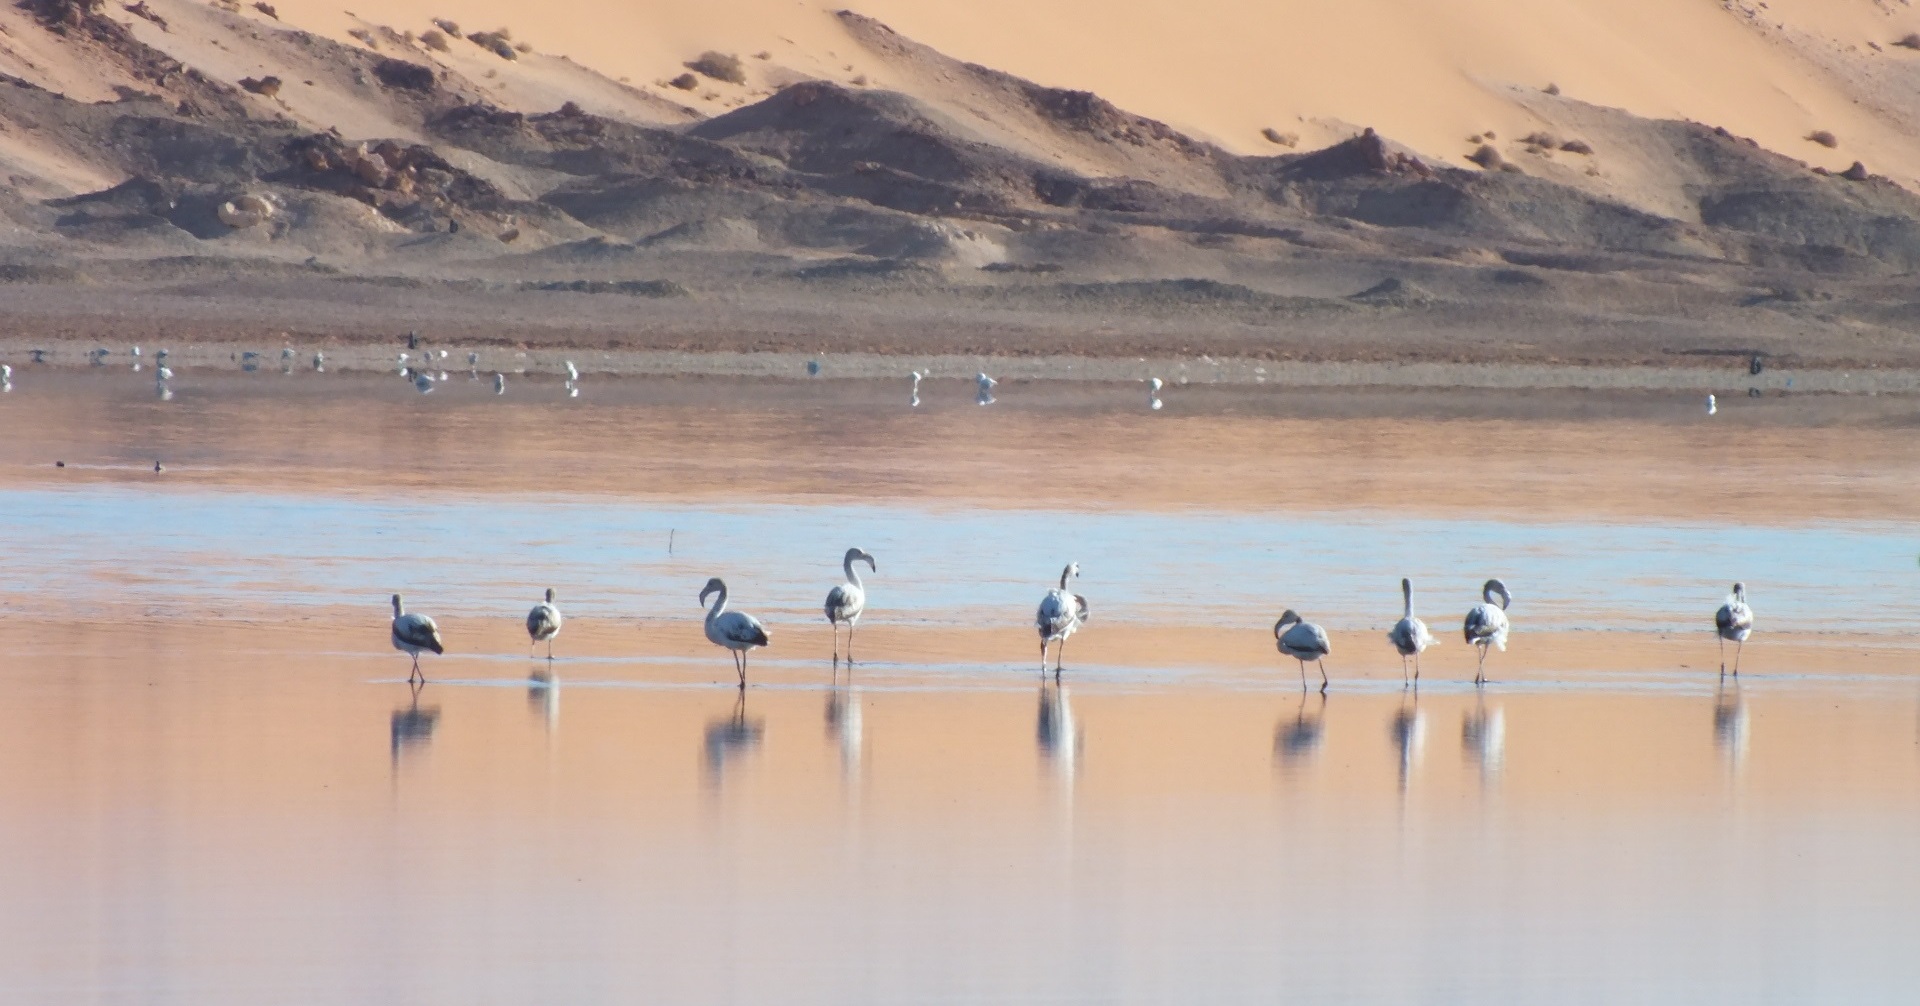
column 719, row 604
column 853, row 575
column 1407, row 594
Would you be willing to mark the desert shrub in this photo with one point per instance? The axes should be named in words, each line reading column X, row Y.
column 1541, row 139
column 720, row 66
column 1283, row 139
column 685, row 82
column 432, row 39
column 494, row 42
column 267, row 9
column 266, row 87
column 763, row 54
column 1824, row 138
column 1911, row 41
column 1551, row 89
column 1577, row 147
column 1487, row 157
column 365, row 37
column 448, row 26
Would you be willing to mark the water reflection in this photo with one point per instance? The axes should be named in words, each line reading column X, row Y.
column 1057, row 731
column 844, row 725
column 1409, row 732
column 1730, row 724
column 543, row 697
column 1483, row 738
column 1297, row 740
column 729, row 738
column 411, row 726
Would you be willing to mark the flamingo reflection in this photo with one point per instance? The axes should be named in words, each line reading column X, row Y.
column 1057, row 730
column 543, row 697
column 1483, row 738
column 412, row 726
column 729, row 738
column 1295, row 742
column 844, row 725
column 1409, row 733
column 1730, row 724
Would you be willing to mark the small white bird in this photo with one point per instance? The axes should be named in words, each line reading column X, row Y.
column 847, row 601
column 414, row 634
column 163, row 374
column 499, row 383
column 1154, row 385
column 1409, row 635
column 543, row 623
column 1733, row 621
column 1060, row 615
column 1303, row 642
column 735, row 630
column 6, row 377
column 573, row 372
column 1486, row 624
column 402, row 364
column 918, row 376
column 1711, row 407
column 319, row 363
column 985, row 385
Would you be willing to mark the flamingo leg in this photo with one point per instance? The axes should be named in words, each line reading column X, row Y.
column 1737, row 647
column 1480, row 673
column 1043, row 656
column 549, row 649
column 1059, row 658
column 1323, row 675
column 1403, row 670
column 836, row 641
column 1723, row 654
column 850, row 628
column 1303, row 674
column 1416, row 670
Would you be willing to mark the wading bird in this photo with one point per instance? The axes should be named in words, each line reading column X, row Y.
column 735, row 630
column 847, row 601
column 1154, row 384
column 1486, row 624
column 985, row 385
column 1733, row 621
column 413, row 634
column 543, row 623
column 1060, row 615
column 918, row 376
column 1303, row 642
column 1409, row 635
column 499, row 384
column 1712, row 407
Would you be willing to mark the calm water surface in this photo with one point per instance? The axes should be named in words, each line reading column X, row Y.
column 214, row 788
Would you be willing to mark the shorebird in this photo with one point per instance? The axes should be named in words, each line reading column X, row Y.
column 414, row 634
column 573, row 372
column 401, row 363
column 847, row 601
column 1303, row 642
column 162, row 374
column 1154, row 384
column 918, row 376
column 1733, row 621
column 499, row 384
column 319, row 363
column 249, row 361
column 97, row 357
column 286, row 360
column 1486, row 624
column 423, row 382
column 1711, row 407
column 813, row 368
column 1409, row 635
column 735, row 630
column 473, row 366
column 1060, row 615
column 6, row 377
column 543, row 623
column 985, row 385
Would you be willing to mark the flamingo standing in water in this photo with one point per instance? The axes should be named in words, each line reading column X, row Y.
column 1486, row 624
column 735, row 630
column 1303, row 642
column 1733, row 621
column 1060, row 615
column 543, row 623
column 1409, row 635
column 847, row 601
column 413, row 634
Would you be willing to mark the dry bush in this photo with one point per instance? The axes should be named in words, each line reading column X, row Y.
column 1577, row 147
column 860, row 81
column 448, row 26
column 365, row 37
column 763, row 54
column 720, row 66
column 494, row 42
column 685, row 82
column 1824, row 138
column 1487, row 157
column 1855, row 173
column 432, row 39
column 1911, row 41
column 1543, row 140
column 265, row 87
column 1288, row 140
column 1551, row 89
column 523, row 48
column 267, row 9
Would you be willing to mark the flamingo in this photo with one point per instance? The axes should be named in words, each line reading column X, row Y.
column 1409, row 635
column 1060, row 615
column 543, row 623
column 847, row 601
column 1486, row 624
column 735, row 630
column 1303, row 642
column 1733, row 621
column 414, row 633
